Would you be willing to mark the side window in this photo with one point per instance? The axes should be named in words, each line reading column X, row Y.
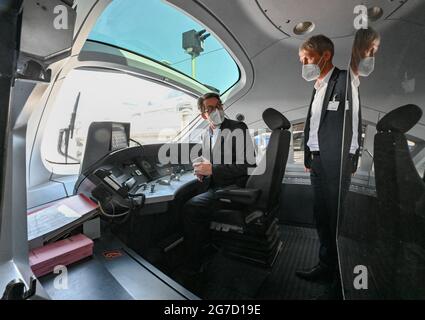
column 298, row 143
column 417, row 151
column 156, row 113
column 261, row 140
column 362, row 148
column 262, row 137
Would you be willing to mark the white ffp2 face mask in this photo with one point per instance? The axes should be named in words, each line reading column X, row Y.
column 216, row 117
column 366, row 66
column 311, row 71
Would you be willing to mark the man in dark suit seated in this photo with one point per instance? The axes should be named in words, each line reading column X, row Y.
column 227, row 158
column 327, row 148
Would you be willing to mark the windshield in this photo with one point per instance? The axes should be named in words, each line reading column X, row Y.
column 155, row 30
column 155, row 112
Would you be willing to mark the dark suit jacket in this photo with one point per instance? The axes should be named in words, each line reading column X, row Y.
column 331, row 126
column 229, row 165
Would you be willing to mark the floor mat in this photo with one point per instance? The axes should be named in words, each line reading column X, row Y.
column 229, row 279
column 301, row 248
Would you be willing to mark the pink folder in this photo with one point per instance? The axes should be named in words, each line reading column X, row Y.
column 79, row 203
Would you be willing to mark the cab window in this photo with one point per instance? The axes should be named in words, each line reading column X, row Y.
column 162, row 33
column 156, row 113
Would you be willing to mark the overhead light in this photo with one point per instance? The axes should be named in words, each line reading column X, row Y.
column 304, row 28
column 240, row 117
column 374, row 13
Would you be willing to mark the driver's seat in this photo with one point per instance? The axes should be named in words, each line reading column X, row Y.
column 252, row 233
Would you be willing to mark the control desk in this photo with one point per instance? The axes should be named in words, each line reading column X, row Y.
column 132, row 174
column 165, row 189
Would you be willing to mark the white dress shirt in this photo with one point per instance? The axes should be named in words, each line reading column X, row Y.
column 209, row 139
column 316, row 111
column 214, row 133
column 355, row 82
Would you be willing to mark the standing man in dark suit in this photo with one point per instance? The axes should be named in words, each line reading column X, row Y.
column 228, row 154
column 323, row 144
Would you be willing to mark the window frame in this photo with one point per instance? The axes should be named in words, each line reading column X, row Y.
column 170, row 67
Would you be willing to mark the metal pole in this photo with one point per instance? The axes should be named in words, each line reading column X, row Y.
column 193, row 66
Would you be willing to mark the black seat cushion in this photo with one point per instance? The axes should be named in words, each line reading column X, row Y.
column 230, row 217
column 401, row 119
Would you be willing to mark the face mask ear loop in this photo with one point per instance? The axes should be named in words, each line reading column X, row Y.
column 321, row 69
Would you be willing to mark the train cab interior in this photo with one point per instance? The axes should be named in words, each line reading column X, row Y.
column 101, row 128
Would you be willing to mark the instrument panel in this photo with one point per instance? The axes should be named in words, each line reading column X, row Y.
column 132, row 171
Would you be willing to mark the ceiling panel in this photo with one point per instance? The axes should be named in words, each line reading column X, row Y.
column 412, row 11
column 249, row 26
column 331, row 17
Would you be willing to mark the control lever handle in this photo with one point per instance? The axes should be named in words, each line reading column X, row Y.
column 164, row 182
column 15, row 290
column 142, row 185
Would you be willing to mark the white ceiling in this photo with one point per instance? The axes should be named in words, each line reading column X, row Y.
column 331, row 17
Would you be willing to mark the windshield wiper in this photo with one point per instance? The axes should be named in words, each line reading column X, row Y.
column 212, row 88
column 68, row 133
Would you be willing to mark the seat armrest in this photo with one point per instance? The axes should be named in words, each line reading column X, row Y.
column 238, row 195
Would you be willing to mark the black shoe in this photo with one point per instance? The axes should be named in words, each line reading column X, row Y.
column 332, row 292
column 317, row 273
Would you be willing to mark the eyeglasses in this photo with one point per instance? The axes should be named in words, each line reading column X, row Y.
column 210, row 109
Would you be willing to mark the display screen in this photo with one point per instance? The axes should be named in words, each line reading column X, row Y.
column 119, row 139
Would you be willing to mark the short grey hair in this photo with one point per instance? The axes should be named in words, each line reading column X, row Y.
column 319, row 44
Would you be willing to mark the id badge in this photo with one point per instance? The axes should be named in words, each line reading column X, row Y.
column 333, row 105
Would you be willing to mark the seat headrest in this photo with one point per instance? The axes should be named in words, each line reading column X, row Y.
column 275, row 120
column 401, row 119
